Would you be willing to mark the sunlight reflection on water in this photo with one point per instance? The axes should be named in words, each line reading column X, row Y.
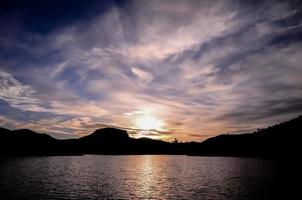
column 135, row 177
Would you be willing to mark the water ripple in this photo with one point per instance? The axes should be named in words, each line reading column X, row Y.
column 135, row 177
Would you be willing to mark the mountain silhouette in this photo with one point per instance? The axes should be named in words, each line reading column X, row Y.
column 25, row 142
column 107, row 134
column 104, row 141
column 116, row 141
column 275, row 141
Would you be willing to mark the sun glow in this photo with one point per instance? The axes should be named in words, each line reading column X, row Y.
column 149, row 122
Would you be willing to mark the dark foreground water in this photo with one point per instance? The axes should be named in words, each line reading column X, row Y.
column 136, row 177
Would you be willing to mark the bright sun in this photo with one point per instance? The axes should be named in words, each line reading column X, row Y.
column 148, row 122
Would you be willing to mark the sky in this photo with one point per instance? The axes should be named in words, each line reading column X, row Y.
column 161, row 69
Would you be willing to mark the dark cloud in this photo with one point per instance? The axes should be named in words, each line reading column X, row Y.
column 43, row 16
column 265, row 110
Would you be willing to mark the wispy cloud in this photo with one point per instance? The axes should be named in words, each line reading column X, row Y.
column 16, row 94
column 202, row 67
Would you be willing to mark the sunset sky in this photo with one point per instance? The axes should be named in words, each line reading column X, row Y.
column 160, row 69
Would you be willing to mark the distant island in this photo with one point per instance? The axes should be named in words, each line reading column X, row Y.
column 277, row 141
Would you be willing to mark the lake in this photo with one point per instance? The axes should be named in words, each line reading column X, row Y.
column 136, row 177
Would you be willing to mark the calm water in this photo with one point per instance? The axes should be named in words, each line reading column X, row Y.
column 135, row 177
